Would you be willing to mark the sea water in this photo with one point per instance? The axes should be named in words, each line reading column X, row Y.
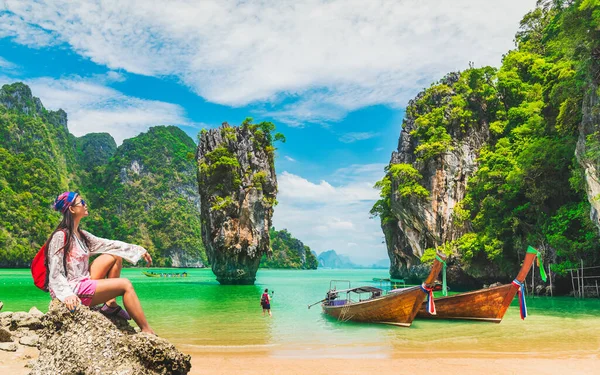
column 198, row 313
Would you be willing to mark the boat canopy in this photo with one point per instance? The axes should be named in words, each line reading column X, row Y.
column 360, row 289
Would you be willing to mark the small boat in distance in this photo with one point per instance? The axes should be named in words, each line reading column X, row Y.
column 369, row 304
column 488, row 305
column 165, row 274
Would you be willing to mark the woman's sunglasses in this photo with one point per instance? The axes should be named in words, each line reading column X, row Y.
column 81, row 202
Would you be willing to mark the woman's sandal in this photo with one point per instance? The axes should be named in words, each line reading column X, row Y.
column 114, row 311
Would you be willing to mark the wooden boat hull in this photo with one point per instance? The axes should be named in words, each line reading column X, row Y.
column 485, row 304
column 398, row 308
column 488, row 305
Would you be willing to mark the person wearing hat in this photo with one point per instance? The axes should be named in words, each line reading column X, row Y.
column 74, row 281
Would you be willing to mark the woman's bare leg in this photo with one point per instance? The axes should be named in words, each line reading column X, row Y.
column 109, row 289
column 107, row 266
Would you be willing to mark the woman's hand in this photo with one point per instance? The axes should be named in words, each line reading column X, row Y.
column 72, row 302
column 147, row 258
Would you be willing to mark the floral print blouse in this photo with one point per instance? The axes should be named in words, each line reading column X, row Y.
column 62, row 286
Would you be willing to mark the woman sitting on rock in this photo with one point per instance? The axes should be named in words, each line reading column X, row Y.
column 73, row 281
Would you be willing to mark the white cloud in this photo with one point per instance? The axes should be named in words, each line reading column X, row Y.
column 289, row 158
column 325, row 57
column 325, row 217
column 357, row 136
column 6, row 65
column 92, row 106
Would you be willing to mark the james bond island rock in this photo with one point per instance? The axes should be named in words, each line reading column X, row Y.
column 87, row 343
column 238, row 188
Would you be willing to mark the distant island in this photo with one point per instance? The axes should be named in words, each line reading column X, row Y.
column 288, row 252
column 331, row 259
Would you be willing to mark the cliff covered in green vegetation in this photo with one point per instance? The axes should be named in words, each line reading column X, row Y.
column 148, row 195
column 288, row 252
column 36, row 161
column 143, row 191
column 487, row 163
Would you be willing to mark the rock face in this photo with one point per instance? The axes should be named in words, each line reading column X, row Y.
column 587, row 137
column 85, row 342
column 238, row 186
column 425, row 223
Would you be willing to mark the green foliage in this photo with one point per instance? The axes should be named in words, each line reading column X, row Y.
column 526, row 190
column 288, row 252
column 37, row 161
column 147, row 196
column 220, row 168
column 221, row 203
column 258, row 179
column 407, row 178
column 452, row 106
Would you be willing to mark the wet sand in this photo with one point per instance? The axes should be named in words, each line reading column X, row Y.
column 261, row 362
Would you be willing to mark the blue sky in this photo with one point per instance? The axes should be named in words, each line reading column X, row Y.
column 334, row 76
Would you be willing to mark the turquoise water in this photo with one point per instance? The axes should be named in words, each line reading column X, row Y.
column 197, row 312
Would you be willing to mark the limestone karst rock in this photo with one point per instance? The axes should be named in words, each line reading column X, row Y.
column 423, row 223
column 589, row 129
column 238, row 186
column 85, row 342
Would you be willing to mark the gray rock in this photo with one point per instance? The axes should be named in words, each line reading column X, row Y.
column 418, row 223
column 5, row 336
column 29, row 321
column 5, row 318
column 29, row 340
column 237, row 186
column 86, row 343
column 35, row 312
column 8, row 346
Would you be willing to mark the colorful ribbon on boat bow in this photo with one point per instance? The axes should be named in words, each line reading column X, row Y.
column 521, row 292
column 444, row 285
column 430, row 303
column 540, row 262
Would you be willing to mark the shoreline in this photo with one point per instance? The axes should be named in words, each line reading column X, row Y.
column 256, row 362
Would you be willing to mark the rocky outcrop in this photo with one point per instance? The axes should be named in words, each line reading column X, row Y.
column 238, row 186
column 85, row 342
column 588, row 144
column 424, row 223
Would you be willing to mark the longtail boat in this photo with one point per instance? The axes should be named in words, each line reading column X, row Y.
column 163, row 274
column 489, row 304
column 398, row 306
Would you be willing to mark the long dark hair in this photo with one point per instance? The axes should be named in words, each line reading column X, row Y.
column 66, row 225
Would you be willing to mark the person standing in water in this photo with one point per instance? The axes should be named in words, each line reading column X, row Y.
column 265, row 302
column 74, row 281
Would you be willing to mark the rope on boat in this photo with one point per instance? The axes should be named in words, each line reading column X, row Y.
column 430, row 303
column 522, row 304
column 444, row 285
column 540, row 262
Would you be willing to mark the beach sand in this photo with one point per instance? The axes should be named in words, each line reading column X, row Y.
column 261, row 362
